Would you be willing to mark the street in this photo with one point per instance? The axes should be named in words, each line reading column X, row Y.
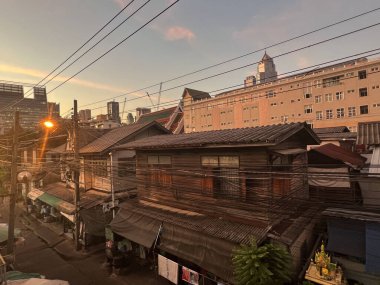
column 53, row 256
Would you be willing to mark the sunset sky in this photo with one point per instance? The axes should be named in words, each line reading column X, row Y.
column 37, row 35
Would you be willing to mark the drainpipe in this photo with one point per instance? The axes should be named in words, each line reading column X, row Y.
column 112, row 189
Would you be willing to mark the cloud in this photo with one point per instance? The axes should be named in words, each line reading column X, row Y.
column 179, row 33
column 6, row 68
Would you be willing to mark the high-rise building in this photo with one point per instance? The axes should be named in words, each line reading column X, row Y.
column 54, row 110
column 266, row 70
column 113, row 111
column 31, row 110
column 338, row 95
column 85, row 115
column 130, row 119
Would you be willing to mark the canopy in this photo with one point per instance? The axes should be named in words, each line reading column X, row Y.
column 212, row 254
column 136, row 227
column 52, row 200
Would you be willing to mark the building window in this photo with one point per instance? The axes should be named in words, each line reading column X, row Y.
column 363, row 92
column 339, row 95
column 308, row 109
column 270, row 94
column 221, row 176
column 284, row 119
column 328, row 97
column 329, row 114
column 159, row 170
column 353, row 129
column 351, row 111
column 332, row 81
column 310, row 123
column 318, row 99
column 363, row 109
column 307, row 95
column 340, row 113
column 318, row 83
column 349, row 74
column 362, row 74
column 319, row 115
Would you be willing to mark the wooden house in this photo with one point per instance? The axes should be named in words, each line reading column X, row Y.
column 205, row 193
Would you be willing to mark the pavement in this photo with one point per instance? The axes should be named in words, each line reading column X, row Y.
column 47, row 251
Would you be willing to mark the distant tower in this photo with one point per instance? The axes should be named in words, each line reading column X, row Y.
column 266, row 70
column 130, row 119
column 85, row 115
column 113, row 111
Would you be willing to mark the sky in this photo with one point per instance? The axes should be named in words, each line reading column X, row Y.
column 38, row 35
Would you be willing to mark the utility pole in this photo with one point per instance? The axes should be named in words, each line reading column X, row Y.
column 12, row 197
column 76, row 169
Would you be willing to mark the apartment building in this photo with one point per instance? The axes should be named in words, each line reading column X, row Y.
column 336, row 95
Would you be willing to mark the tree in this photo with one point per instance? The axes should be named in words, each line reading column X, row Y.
column 268, row 264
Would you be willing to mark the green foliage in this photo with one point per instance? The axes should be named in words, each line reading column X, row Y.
column 265, row 265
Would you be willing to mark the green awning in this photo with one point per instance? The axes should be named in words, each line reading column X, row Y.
column 57, row 203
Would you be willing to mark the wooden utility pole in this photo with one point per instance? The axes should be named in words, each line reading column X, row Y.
column 76, row 169
column 12, row 196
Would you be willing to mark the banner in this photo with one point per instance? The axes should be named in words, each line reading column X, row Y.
column 190, row 276
column 168, row 269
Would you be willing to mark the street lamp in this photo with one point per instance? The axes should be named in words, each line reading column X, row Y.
column 48, row 124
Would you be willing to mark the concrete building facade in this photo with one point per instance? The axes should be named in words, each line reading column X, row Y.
column 113, row 111
column 85, row 115
column 32, row 110
column 338, row 95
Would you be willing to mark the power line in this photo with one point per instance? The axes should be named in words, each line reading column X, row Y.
column 241, row 67
column 114, row 47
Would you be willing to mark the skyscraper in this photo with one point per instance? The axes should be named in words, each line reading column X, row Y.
column 266, row 70
column 113, row 111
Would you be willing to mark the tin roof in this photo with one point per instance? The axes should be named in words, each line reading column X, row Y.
column 161, row 116
column 257, row 136
column 213, row 226
column 114, row 136
column 338, row 153
column 369, row 133
column 329, row 130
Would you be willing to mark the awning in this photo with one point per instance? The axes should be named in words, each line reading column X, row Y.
column 135, row 227
column 35, row 193
column 57, row 203
column 71, row 218
column 212, row 254
column 95, row 220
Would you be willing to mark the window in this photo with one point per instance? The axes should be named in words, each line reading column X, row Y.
column 284, row 119
column 362, row 74
column 221, row 176
column 329, row 114
column 363, row 109
column 363, row 92
column 318, row 99
column 270, row 94
column 332, row 81
column 353, row 129
column 339, row 95
column 159, row 170
column 351, row 111
column 308, row 109
column 349, row 74
column 318, row 83
column 310, row 123
column 340, row 113
column 319, row 115
column 307, row 95
column 328, row 97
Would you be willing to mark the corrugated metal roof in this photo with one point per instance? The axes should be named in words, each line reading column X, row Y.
column 213, row 226
column 341, row 154
column 338, row 136
column 330, row 130
column 369, row 133
column 372, row 216
column 257, row 136
column 114, row 136
column 196, row 94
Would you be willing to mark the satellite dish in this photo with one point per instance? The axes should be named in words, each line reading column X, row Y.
column 24, row 174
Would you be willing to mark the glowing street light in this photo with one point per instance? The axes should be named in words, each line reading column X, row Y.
column 48, row 124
